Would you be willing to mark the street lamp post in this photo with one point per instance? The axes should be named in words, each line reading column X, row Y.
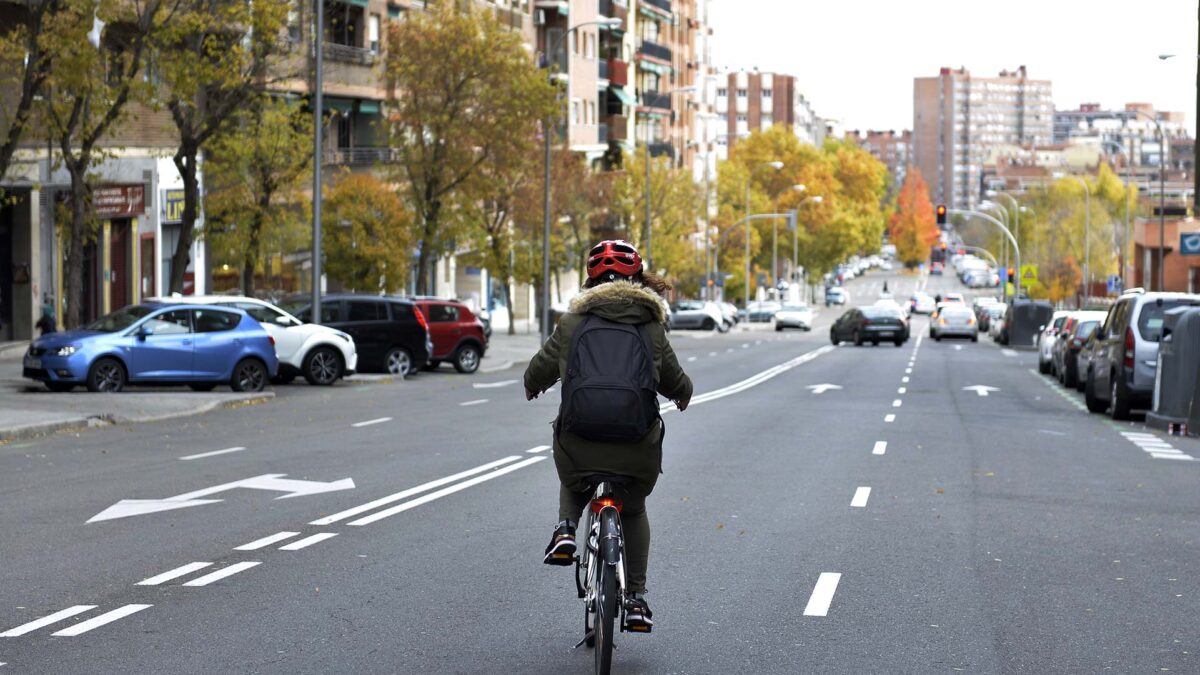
column 1162, row 193
column 1007, row 233
column 815, row 199
column 1004, row 211
column 1017, row 208
column 318, row 104
column 746, row 292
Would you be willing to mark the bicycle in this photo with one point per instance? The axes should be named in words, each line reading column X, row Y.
column 602, row 564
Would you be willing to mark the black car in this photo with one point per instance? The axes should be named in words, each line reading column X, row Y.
column 869, row 324
column 391, row 334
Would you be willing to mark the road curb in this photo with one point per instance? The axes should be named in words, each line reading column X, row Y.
column 29, row 431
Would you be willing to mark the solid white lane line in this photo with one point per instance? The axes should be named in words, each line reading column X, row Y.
column 897, row 403
column 212, row 454
column 173, row 574
column 221, row 573
column 478, row 401
column 379, row 420
column 860, row 497
column 97, row 621
column 904, row 379
column 405, row 494
column 540, row 448
column 308, row 541
column 46, row 620
column 493, row 385
column 1008, row 352
column 880, row 448
column 889, row 418
column 400, row 508
column 902, row 390
column 822, row 595
column 265, row 541
column 753, row 380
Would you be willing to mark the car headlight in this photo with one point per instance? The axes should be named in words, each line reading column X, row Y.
column 345, row 337
column 66, row 350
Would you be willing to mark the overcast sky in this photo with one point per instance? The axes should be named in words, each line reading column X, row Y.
column 855, row 60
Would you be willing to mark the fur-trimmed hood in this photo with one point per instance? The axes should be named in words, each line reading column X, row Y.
column 622, row 301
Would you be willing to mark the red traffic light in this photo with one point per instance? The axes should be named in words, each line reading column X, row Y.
column 941, row 214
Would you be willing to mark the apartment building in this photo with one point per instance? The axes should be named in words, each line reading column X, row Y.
column 957, row 117
column 1129, row 132
column 753, row 101
column 892, row 148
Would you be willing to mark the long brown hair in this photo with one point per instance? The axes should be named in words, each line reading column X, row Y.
column 648, row 279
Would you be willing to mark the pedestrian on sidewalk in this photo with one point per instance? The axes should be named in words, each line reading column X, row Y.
column 46, row 323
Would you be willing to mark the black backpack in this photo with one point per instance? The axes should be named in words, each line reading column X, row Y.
column 609, row 393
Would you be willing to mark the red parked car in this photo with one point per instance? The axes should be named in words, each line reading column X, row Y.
column 457, row 334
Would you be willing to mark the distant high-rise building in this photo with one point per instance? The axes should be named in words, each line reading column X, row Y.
column 753, row 101
column 1130, row 131
column 957, row 118
column 891, row 148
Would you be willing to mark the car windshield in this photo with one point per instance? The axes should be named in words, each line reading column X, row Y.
column 956, row 312
column 1150, row 321
column 1086, row 328
column 294, row 307
column 879, row 312
column 120, row 319
column 795, row 308
column 687, row 306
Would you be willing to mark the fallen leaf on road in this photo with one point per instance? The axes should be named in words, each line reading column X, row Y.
column 941, row 491
column 720, row 526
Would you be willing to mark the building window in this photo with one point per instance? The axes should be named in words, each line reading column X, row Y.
column 766, row 93
column 741, row 93
column 373, row 34
column 575, row 112
column 722, row 92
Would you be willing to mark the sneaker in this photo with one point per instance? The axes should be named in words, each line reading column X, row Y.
column 561, row 550
column 638, row 614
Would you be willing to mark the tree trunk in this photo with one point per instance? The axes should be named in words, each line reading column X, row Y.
column 73, row 261
column 185, row 161
column 427, row 261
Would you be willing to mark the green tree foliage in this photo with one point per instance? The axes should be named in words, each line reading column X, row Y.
column 256, row 174
column 368, row 235
column 465, row 92
column 28, row 48
column 913, row 225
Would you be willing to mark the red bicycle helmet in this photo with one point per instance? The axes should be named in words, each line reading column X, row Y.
column 613, row 256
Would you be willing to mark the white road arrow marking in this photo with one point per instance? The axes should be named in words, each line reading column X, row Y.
column 269, row 481
column 822, row 388
column 981, row 389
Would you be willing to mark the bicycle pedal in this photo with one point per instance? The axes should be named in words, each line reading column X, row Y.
column 637, row 628
column 560, row 559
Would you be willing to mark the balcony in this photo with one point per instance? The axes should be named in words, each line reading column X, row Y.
column 617, row 72
column 511, row 18
column 664, row 5
column 654, row 99
column 603, row 70
column 662, row 150
column 347, row 54
column 603, row 133
column 360, row 156
column 655, row 50
column 615, row 9
column 618, row 127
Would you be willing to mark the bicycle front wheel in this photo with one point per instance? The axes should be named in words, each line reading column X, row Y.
column 606, row 597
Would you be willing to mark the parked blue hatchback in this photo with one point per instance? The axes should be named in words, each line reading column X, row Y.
column 197, row 345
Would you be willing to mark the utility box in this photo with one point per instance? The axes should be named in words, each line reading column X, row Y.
column 1024, row 319
column 1177, row 370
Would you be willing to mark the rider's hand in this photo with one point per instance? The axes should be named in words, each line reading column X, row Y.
column 682, row 405
column 530, row 395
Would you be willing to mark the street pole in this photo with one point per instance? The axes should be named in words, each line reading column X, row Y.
column 649, row 234
column 1007, row 233
column 746, row 236
column 318, row 113
column 1162, row 194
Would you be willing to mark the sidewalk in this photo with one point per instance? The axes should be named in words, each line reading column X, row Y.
column 506, row 351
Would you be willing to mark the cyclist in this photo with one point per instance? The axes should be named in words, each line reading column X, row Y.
column 618, row 290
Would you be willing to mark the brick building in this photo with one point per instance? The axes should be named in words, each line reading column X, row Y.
column 753, row 101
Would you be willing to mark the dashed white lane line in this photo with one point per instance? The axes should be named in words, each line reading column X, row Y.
column 902, row 390
column 540, row 448
column 897, row 403
column 712, row 353
column 880, row 448
column 265, row 541
column 904, row 379
column 908, row 371
column 46, row 620
column 478, row 401
column 400, row 508
column 221, row 573
column 493, row 385
column 860, row 497
column 173, row 574
column 97, row 621
column 1008, row 352
column 889, row 418
column 745, row 345
column 367, row 423
column 214, row 453
column 405, row 494
column 308, row 541
column 822, row 595
column 729, row 351
column 691, row 359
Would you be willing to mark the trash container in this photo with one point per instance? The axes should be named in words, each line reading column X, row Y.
column 1176, row 372
column 1023, row 320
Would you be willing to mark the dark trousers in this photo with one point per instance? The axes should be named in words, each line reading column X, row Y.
column 634, row 522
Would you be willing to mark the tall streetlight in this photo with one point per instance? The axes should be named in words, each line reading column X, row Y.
column 649, row 234
column 1016, row 247
column 550, row 125
column 1003, row 211
column 777, row 165
column 1162, row 190
column 318, row 104
column 1125, row 245
column 813, row 199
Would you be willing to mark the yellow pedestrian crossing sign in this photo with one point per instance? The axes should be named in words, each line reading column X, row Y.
column 1029, row 274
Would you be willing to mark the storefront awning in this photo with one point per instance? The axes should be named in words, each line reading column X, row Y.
column 368, row 107
column 341, row 105
column 654, row 67
column 624, row 96
column 356, row 3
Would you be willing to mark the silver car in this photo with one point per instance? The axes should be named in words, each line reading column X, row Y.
column 697, row 314
column 794, row 316
column 954, row 320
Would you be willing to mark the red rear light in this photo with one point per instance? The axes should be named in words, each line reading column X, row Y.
column 271, row 339
column 866, row 322
column 1129, row 348
column 598, row 504
column 421, row 318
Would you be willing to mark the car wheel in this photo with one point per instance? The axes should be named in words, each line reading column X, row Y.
column 466, row 359
column 708, row 324
column 858, row 342
column 1089, row 395
column 60, row 387
column 1119, row 403
column 724, row 327
column 398, row 362
column 106, row 375
column 833, row 338
column 899, row 343
column 249, row 375
column 937, row 337
column 975, row 337
column 778, row 328
column 1043, row 367
column 322, row 366
column 202, row 386
column 874, row 343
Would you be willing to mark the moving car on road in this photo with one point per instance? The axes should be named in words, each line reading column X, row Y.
column 922, row 303
column 954, row 320
column 457, row 335
column 697, row 314
column 762, row 312
column 836, row 295
column 794, row 316
column 157, row 343
column 391, row 334
column 869, row 324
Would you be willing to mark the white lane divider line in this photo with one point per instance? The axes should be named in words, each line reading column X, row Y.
column 221, row 573
column 691, row 359
column 214, row 453
column 822, row 595
column 880, row 448
column 897, row 403
column 478, row 401
column 902, row 390
column 493, row 385
column 745, row 345
column 265, row 541
column 308, row 541
column 712, row 354
column 729, row 351
column 540, row 448
column 908, row 371
column 754, row 380
column 904, row 379
column 405, row 494
column 173, row 574
column 46, row 620
column 378, row 420
column 97, row 621
column 860, row 497
column 889, row 418
column 1068, row 396
column 402, row 507
column 1008, row 352
column 1156, row 447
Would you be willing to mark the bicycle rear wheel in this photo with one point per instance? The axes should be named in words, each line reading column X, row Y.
column 606, row 592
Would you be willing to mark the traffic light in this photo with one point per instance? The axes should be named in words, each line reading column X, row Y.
column 943, row 246
column 1012, row 274
column 941, row 214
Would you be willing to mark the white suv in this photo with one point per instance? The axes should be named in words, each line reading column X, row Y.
column 320, row 353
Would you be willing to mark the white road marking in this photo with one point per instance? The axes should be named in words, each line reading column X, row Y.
column 690, row 359
column 980, row 389
column 265, row 541
column 46, row 620
column 860, row 497
column 493, row 385
column 908, row 370
column 902, row 390
column 822, row 595
column 754, row 380
column 478, row 401
column 405, row 494
column 822, row 388
column 897, row 403
column 1165, row 449
column 745, row 345
column 729, row 351
column 904, row 379
column 212, row 454
column 540, row 448
column 758, row 342
column 308, row 541
column 97, row 621
column 712, row 353
column 1181, row 457
column 378, row 420
column 400, row 508
column 889, row 418
column 1008, row 352
column 958, row 348
column 880, row 448
column 221, row 573
column 173, row 574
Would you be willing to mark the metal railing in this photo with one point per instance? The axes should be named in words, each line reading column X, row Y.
column 654, row 49
column 347, row 54
column 359, row 156
column 662, row 149
column 654, row 99
column 664, row 5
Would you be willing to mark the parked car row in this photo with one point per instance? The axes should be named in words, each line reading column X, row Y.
column 203, row 341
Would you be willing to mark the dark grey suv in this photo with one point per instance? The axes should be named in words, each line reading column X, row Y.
column 1121, row 373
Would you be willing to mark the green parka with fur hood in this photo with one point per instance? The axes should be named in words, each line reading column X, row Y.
column 623, row 302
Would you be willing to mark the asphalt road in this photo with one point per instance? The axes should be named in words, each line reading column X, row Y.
column 899, row 523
